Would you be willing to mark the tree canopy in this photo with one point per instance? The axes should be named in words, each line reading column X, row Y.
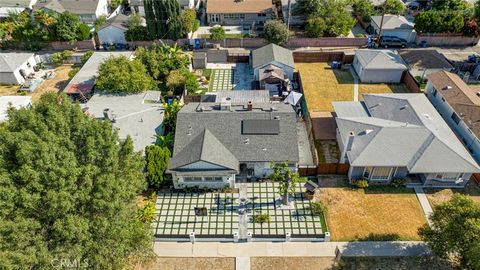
column 157, row 162
column 276, row 32
column 455, row 231
column 163, row 19
column 364, row 9
column 450, row 5
column 121, row 75
column 280, row 174
column 393, row 6
column 190, row 23
column 68, row 188
column 217, row 33
column 338, row 19
column 439, row 22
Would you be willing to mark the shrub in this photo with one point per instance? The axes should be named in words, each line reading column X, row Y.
column 398, row 182
column 317, row 208
column 86, row 56
column 147, row 213
column 217, row 33
column 361, row 183
column 83, row 32
column 276, row 32
column 57, row 58
column 261, row 218
column 72, row 72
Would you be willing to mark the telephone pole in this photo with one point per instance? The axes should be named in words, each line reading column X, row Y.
column 381, row 22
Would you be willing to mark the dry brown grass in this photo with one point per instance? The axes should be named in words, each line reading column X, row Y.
column 291, row 263
column 372, row 214
column 381, row 88
column 322, row 85
column 438, row 196
column 54, row 84
column 163, row 263
column 9, row 90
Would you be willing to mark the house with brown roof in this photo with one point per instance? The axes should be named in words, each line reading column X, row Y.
column 252, row 13
column 423, row 62
column 459, row 105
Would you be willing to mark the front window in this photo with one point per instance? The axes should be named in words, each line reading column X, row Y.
column 381, row 173
column 367, row 172
column 448, row 177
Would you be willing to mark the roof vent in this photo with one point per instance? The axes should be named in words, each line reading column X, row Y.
column 447, row 87
column 478, row 94
column 368, row 131
column 274, row 108
column 246, row 141
column 277, row 117
column 427, row 116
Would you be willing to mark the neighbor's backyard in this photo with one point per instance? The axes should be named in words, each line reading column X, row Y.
column 375, row 213
column 322, row 85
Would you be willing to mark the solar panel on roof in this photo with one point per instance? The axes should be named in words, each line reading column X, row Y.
column 261, row 127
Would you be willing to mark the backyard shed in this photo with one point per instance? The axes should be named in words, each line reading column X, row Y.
column 378, row 66
column 113, row 30
column 272, row 56
column 15, row 67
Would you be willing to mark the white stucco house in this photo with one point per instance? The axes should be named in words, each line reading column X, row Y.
column 388, row 136
column 14, row 6
column 14, row 67
column 113, row 31
column 16, row 102
column 394, row 25
column 87, row 10
column 378, row 66
column 459, row 106
column 218, row 144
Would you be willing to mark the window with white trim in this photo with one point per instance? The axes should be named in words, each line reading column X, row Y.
column 188, row 179
column 448, row 177
column 367, row 172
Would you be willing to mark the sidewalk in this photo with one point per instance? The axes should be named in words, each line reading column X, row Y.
column 291, row 249
column 422, row 198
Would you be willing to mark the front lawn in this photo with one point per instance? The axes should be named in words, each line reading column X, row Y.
column 375, row 213
column 322, row 85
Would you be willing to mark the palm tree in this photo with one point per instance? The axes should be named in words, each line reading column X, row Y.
column 165, row 141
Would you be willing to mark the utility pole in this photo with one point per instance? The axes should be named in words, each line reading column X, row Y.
column 381, row 22
column 289, row 14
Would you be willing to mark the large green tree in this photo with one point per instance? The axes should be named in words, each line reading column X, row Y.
column 161, row 60
column 455, row 231
column 67, row 190
column 338, row 19
column 439, row 22
column 163, row 19
column 364, row 9
column 450, row 5
column 393, row 6
column 69, row 27
column 286, row 178
column 190, row 23
column 276, row 32
column 121, row 75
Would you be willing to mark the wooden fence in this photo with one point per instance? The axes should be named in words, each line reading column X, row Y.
column 476, row 178
column 324, row 168
column 411, row 83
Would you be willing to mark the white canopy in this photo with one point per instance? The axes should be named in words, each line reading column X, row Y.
column 293, row 98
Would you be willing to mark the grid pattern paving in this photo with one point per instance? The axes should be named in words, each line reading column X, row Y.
column 176, row 213
column 222, row 80
column 298, row 221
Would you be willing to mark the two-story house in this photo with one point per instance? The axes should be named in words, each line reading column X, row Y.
column 388, row 136
column 217, row 144
column 87, row 10
column 249, row 13
column 459, row 105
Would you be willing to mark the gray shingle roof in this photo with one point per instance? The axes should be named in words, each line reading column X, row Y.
column 244, row 96
column 393, row 22
column 380, row 59
column 10, row 62
column 226, row 127
column 403, row 130
column 205, row 147
column 120, row 21
column 270, row 53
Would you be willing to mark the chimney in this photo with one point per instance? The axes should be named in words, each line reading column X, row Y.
column 249, row 106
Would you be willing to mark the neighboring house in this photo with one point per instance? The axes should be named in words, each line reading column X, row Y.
column 15, row 67
column 378, row 66
column 422, row 63
column 87, row 10
column 288, row 9
column 217, row 144
column 249, row 13
column 113, row 31
column 81, row 85
column 459, row 105
column 273, row 67
column 388, row 136
column 394, row 25
column 138, row 7
column 139, row 116
column 14, row 6
column 16, row 102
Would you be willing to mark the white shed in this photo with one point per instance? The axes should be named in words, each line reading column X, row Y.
column 275, row 55
column 378, row 66
column 113, row 31
column 15, row 66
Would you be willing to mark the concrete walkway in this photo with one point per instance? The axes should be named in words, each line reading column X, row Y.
column 291, row 249
column 242, row 263
column 355, row 84
column 422, row 198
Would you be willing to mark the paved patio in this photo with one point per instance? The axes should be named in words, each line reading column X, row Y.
column 176, row 214
column 237, row 76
